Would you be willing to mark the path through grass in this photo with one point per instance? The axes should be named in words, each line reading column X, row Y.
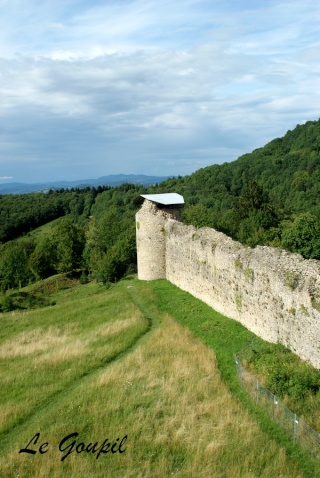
column 110, row 364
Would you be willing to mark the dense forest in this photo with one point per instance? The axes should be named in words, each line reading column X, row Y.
column 267, row 197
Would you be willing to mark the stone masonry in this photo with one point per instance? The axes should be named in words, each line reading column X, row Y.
column 273, row 293
column 151, row 239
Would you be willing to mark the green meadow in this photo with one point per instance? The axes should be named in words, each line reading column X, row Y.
column 136, row 379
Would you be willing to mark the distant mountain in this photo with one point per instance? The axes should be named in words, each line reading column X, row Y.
column 111, row 180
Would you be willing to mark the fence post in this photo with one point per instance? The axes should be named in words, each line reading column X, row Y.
column 295, row 423
column 239, row 371
column 275, row 402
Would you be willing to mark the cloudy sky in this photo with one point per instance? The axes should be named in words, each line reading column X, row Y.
column 96, row 87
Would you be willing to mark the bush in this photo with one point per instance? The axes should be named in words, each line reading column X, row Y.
column 7, row 304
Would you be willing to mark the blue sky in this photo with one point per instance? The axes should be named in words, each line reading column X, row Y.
column 90, row 88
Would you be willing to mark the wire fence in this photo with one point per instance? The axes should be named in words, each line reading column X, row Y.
column 298, row 429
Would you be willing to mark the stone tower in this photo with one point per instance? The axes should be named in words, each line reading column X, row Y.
column 151, row 232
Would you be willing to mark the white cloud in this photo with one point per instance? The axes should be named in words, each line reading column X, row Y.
column 92, row 88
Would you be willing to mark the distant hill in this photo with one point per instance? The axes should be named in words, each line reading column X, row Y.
column 111, row 180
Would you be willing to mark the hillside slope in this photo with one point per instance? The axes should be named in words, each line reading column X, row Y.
column 288, row 168
column 112, row 363
column 257, row 198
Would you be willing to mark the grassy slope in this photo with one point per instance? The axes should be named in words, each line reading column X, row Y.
column 109, row 363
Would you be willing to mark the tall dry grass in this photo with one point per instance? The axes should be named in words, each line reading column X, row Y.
column 46, row 351
column 167, row 396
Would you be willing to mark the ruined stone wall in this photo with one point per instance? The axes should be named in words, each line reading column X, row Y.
column 273, row 293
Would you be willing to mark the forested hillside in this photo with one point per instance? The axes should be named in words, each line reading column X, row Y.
column 267, row 197
column 22, row 213
column 270, row 196
column 92, row 231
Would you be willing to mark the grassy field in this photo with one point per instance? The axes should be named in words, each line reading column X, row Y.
column 144, row 374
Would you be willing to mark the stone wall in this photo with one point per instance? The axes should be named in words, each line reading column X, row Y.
column 273, row 293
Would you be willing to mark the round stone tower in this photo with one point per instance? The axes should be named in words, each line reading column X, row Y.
column 151, row 232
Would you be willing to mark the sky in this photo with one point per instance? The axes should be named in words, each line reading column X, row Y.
column 91, row 88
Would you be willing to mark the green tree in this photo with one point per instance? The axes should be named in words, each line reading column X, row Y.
column 303, row 236
column 42, row 262
column 110, row 246
column 198, row 215
column 252, row 198
column 101, row 235
column 14, row 269
column 69, row 241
